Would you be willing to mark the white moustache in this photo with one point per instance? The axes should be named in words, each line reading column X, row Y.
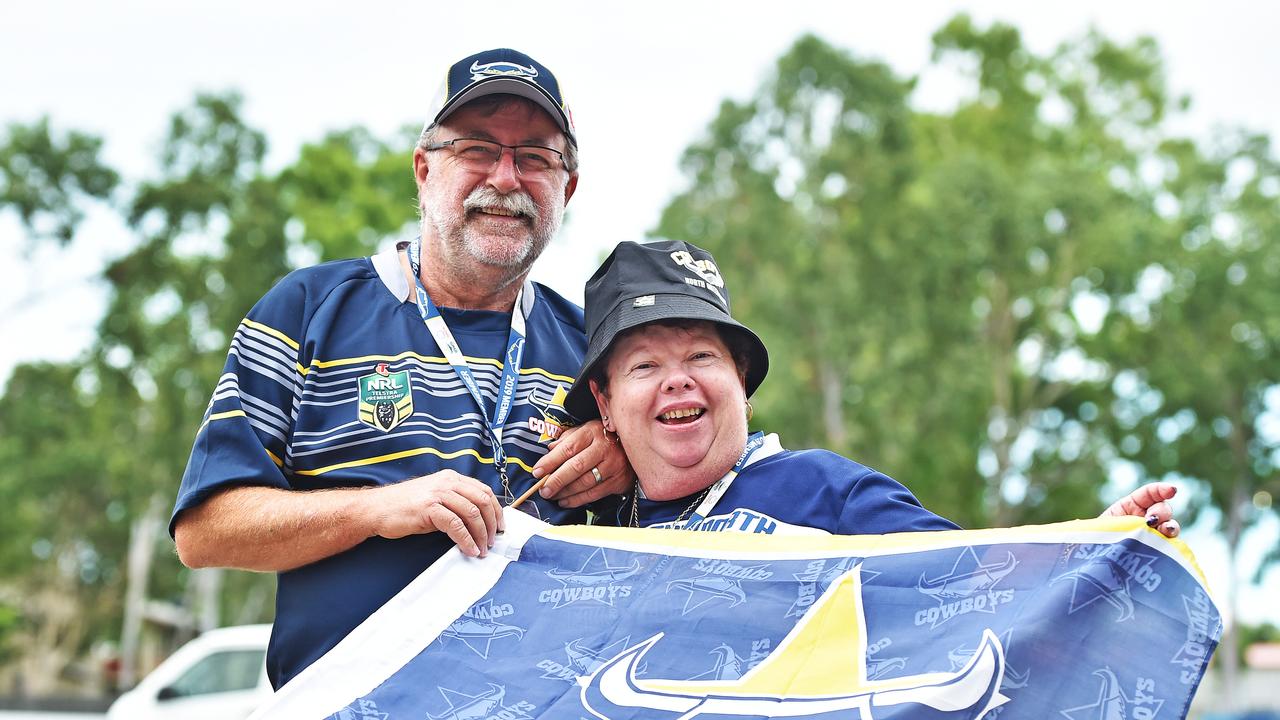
column 486, row 198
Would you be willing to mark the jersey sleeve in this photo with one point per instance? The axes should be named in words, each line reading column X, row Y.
column 878, row 504
column 245, row 432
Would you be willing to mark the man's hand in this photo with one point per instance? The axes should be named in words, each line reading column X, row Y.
column 1148, row 502
column 271, row 529
column 463, row 508
column 568, row 467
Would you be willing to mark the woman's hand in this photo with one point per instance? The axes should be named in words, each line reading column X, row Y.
column 1148, row 502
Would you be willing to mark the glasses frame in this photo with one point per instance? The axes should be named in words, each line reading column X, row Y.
column 501, row 147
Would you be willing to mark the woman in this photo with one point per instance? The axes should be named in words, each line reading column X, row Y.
column 669, row 370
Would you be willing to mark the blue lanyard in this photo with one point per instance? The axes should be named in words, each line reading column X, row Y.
column 721, row 486
column 510, row 367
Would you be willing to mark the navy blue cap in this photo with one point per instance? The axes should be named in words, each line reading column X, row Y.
column 504, row 71
column 664, row 280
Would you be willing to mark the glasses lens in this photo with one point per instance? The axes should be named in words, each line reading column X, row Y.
column 477, row 154
column 536, row 159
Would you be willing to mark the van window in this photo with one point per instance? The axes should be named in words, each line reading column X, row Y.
column 223, row 671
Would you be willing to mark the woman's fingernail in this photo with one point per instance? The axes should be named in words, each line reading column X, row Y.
column 1152, row 520
column 538, row 473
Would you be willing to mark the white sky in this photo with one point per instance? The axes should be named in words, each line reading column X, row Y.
column 643, row 81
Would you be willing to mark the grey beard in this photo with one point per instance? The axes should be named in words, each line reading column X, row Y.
column 452, row 227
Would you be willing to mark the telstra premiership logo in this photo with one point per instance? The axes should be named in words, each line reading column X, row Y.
column 819, row 667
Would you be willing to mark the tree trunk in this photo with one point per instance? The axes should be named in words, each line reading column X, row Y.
column 251, row 609
column 142, row 544
column 1237, row 497
column 1000, row 345
column 53, row 642
column 207, row 609
column 1229, row 650
column 833, row 405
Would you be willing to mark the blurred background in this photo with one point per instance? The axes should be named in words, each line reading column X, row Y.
column 1020, row 257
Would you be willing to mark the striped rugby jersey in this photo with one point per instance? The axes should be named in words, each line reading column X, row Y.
column 333, row 381
column 799, row 492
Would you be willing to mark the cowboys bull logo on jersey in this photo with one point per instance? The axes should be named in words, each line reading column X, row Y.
column 819, row 670
column 386, row 400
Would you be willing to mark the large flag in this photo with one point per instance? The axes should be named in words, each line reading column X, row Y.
column 1090, row 619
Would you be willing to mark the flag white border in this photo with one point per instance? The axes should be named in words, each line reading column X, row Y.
column 375, row 649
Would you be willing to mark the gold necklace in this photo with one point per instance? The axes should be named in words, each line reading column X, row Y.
column 635, row 506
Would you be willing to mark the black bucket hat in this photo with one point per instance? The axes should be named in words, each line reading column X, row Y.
column 639, row 284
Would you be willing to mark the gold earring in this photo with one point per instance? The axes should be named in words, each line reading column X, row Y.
column 750, row 411
column 604, row 428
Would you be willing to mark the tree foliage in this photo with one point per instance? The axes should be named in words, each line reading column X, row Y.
column 349, row 191
column 65, row 514
column 45, row 178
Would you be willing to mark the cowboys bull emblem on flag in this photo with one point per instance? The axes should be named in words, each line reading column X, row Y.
column 819, row 670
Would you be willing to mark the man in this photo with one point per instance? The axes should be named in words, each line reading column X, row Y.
column 375, row 412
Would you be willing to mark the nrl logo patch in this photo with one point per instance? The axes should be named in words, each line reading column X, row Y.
column 385, row 398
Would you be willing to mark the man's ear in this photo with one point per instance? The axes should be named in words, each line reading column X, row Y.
column 419, row 166
column 570, row 186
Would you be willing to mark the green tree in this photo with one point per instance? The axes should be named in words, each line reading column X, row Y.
column 1035, row 206
column 64, row 519
column 59, row 575
column 349, row 191
column 45, row 178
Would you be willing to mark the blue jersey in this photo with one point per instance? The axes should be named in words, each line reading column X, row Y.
column 800, row 491
column 333, row 381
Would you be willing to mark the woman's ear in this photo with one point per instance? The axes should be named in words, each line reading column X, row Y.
column 602, row 401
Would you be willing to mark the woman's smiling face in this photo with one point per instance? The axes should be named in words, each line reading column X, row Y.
column 675, row 396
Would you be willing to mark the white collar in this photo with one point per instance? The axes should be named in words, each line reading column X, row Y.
column 391, row 273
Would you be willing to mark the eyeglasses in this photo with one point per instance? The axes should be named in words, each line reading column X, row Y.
column 484, row 155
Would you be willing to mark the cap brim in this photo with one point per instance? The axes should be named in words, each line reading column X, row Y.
column 510, row 86
column 625, row 315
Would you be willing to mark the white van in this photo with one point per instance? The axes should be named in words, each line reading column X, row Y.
column 220, row 674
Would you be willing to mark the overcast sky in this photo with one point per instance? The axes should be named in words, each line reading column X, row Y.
column 643, row 81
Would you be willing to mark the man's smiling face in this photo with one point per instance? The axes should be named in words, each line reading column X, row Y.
column 500, row 219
